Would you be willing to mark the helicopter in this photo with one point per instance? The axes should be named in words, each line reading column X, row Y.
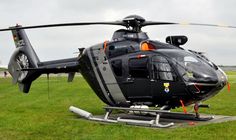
column 129, row 70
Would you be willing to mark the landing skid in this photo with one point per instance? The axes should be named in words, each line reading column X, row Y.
column 165, row 114
column 138, row 119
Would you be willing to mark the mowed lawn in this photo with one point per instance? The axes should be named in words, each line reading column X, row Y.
column 39, row 115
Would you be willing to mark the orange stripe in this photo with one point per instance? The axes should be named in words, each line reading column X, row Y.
column 105, row 45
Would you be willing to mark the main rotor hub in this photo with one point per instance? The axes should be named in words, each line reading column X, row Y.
column 134, row 21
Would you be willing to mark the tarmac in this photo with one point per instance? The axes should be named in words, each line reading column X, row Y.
column 179, row 119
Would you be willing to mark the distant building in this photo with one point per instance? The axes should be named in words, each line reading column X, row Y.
column 228, row 68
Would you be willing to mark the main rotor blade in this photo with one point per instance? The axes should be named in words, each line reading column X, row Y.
column 212, row 25
column 148, row 23
column 121, row 23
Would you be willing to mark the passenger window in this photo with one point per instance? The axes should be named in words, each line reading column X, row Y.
column 161, row 69
column 117, row 67
column 138, row 67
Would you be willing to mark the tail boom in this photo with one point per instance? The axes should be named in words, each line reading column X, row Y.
column 25, row 66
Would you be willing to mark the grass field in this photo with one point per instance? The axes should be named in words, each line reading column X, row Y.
column 41, row 116
column 2, row 69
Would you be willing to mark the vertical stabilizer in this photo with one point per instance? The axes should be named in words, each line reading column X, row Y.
column 24, row 57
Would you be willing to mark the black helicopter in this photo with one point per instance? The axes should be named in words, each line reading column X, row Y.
column 128, row 70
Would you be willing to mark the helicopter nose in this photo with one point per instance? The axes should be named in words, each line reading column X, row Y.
column 204, row 91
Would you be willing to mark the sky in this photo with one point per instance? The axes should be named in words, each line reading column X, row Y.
column 219, row 44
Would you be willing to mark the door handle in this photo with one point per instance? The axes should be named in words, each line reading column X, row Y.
column 129, row 80
column 152, row 80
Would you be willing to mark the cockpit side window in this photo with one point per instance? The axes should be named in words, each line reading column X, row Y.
column 161, row 69
column 190, row 67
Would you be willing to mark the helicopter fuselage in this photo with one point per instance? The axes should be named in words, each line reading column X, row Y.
column 129, row 71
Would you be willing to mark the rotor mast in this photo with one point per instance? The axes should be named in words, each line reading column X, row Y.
column 135, row 22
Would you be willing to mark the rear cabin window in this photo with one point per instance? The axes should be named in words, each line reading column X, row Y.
column 117, row 51
column 138, row 67
column 121, row 48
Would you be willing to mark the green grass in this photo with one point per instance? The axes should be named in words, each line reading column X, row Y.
column 35, row 116
column 2, row 69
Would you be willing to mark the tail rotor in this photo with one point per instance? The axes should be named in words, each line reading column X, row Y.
column 23, row 58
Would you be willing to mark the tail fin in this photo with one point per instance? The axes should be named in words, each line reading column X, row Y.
column 24, row 57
